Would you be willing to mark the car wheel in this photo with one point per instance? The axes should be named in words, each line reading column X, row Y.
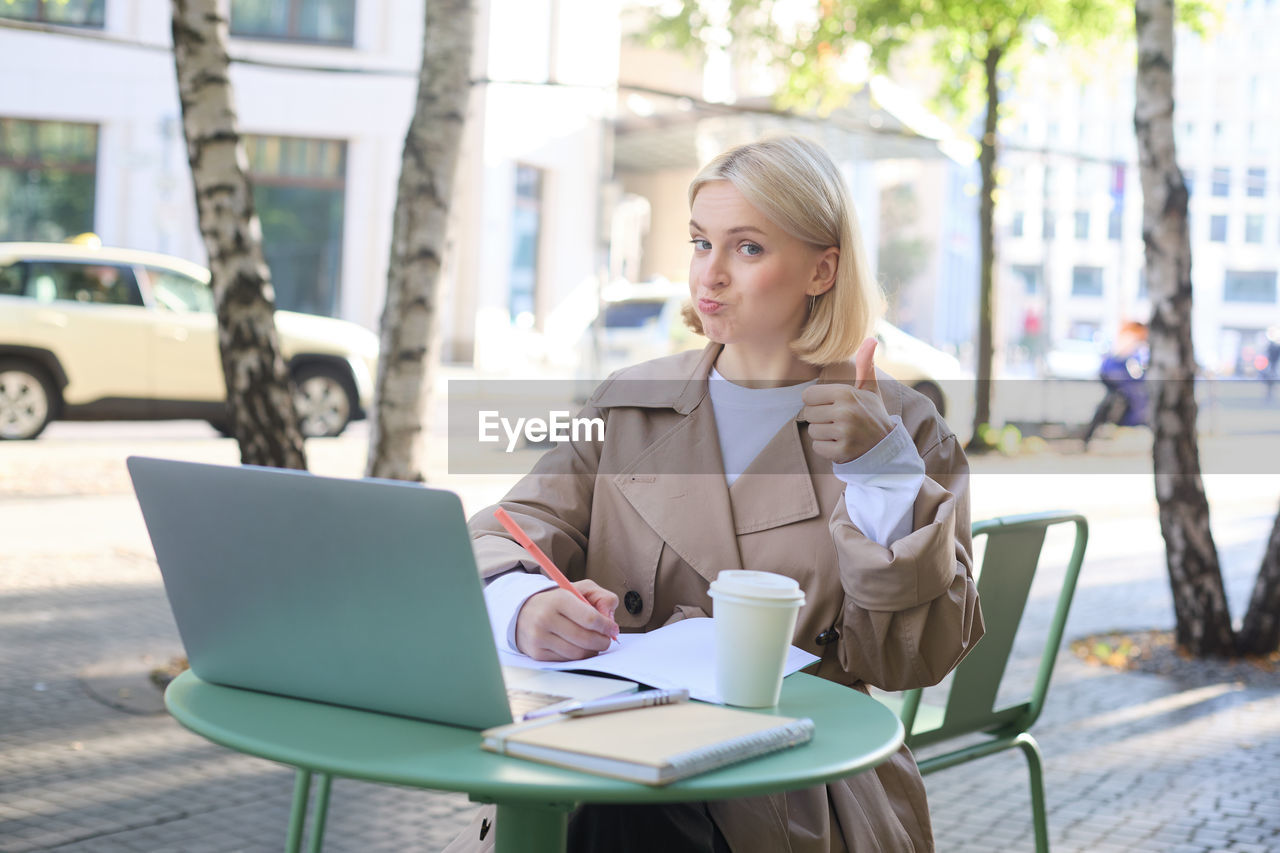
column 934, row 393
column 27, row 399
column 323, row 401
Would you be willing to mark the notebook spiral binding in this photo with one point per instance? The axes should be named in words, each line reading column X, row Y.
column 748, row 746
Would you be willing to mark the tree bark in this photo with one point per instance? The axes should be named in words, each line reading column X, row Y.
column 1260, row 633
column 410, row 346
column 259, row 401
column 1203, row 623
column 987, row 262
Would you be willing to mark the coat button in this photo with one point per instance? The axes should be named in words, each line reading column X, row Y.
column 828, row 636
column 633, row 602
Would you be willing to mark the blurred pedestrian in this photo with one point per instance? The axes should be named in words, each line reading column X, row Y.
column 1271, row 372
column 1122, row 374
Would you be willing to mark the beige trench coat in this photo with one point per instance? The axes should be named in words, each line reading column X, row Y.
column 652, row 501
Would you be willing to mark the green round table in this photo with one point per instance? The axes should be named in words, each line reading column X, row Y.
column 852, row 733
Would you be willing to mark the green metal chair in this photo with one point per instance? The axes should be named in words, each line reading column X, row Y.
column 1013, row 548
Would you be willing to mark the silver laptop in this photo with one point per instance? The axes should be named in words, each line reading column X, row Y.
column 356, row 592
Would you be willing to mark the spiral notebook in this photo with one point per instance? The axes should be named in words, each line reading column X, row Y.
column 654, row 746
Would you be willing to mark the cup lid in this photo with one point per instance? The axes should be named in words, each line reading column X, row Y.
column 765, row 585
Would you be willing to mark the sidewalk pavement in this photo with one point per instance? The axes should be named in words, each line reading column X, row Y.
column 89, row 763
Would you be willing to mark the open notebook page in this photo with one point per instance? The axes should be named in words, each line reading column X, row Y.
column 682, row 654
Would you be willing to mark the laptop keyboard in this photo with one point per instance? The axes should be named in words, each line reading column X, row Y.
column 523, row 701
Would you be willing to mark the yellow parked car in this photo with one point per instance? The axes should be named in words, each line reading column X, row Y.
column 91, row 333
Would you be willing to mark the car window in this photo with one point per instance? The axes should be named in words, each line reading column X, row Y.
column 11, row 280
column 177, row 292
column 110, row 284
column 632, row 314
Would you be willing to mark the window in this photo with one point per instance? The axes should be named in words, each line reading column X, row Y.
column 526, row 228
column 1084, row 330
column 11, row 280
column 107, row 284
column 1032, row 278
column 1221, row 182
column 179, row 293
column 318, row 21
column 1189, row 178
column 1253, row 224
column 1016, row 226
column 1086, row 281
column 1249, row 286
column 1082, row 225
column 299, row 190
column 1048, row 228
column 75, row 13
column 1115, row 223
column 1256, row 183
column 47, row 178
column 633, row 314
column 1218, row 228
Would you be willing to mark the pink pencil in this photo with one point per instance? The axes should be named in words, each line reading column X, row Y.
column 544, row 561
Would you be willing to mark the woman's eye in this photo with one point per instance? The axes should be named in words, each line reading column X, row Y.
column 700, row 244
column 751, row 249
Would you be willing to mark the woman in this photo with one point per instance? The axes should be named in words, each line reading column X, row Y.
column 768, row 450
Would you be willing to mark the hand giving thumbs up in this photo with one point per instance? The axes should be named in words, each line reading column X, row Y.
column 845, row 422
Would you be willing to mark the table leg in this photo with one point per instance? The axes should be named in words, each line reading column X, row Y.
column 320, row 814
column 298, row 813
column 531, row 828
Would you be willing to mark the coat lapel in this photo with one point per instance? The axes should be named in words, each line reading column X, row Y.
column 677, row 486
column 777, row 487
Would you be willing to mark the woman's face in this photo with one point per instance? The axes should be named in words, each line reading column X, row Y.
column 749, row 280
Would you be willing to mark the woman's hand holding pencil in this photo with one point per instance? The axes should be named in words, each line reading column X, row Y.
column 572, row 622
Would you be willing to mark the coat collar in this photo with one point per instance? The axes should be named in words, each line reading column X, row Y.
column 676, row 382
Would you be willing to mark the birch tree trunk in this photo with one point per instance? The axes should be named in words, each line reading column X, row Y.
column 410, row 347
column 1260, row 633
column 987, row 260
column 259, row 402
column 1203, row 623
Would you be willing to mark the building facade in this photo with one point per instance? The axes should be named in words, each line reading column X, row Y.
column 91, row 140
column 1070, row 209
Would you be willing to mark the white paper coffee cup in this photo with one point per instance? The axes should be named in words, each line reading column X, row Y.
column 755, row 616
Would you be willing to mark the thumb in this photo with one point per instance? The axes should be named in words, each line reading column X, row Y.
column 864, row 371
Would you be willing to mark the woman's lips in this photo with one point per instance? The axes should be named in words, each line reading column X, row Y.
column 709, row 306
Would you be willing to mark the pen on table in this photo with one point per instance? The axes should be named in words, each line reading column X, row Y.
column 548, row 567
column 643, row 699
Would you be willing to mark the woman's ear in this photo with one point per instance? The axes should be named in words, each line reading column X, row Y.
column 824, row 271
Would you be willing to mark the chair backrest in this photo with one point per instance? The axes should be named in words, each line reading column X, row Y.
column 1013, row 549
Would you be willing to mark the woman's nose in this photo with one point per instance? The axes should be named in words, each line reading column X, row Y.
column 712, row 273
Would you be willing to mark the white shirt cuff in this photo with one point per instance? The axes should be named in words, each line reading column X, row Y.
column 504, row 595
column 881, row 486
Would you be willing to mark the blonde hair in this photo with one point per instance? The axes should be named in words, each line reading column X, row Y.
column 797, row 186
